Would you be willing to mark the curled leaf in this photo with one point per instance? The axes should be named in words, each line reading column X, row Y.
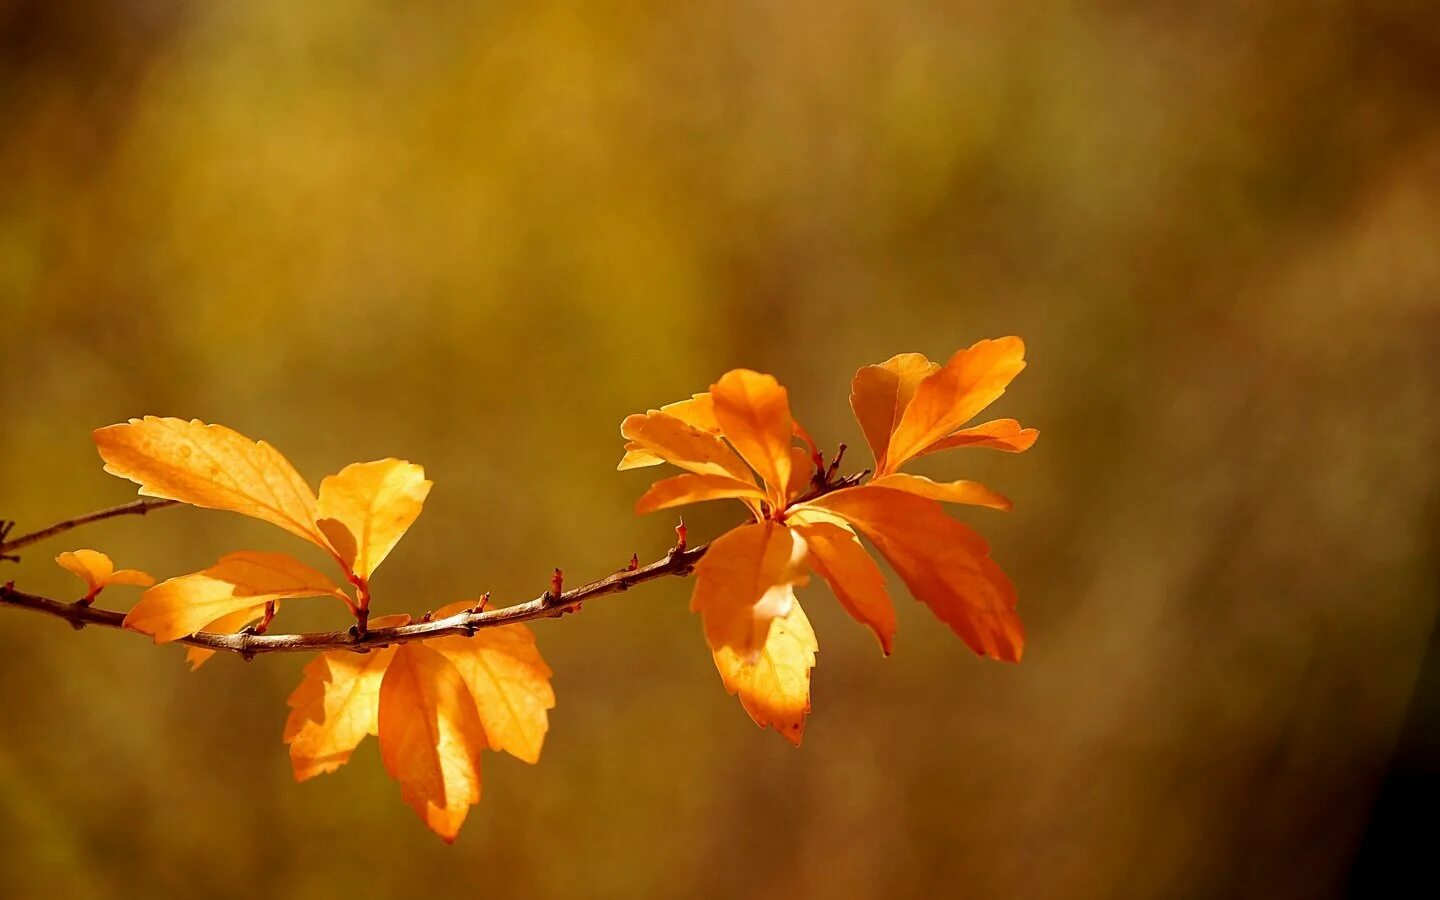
column 366, row 508
column 98, row 572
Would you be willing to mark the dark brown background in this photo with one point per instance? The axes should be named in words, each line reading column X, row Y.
column 477, row 235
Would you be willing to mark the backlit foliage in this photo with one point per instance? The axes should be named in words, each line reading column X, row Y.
column 436, row 702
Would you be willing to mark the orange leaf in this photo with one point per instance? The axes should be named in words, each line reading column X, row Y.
column 880, row 393
column 946, row 565
column 366, row 508
column 744, row 581
column 971, row 492
column 698, row 411
column 98, row 572
column 332, row 710
column 684, row 445
column 950, row 397
column 431, row 737
column 859, row 585
column 210, row 466
column 182, row 606
column 997, row 434
column 232, row 623
column 775, row 688
column 690, row 488
column 753, row 411
column 508, row 680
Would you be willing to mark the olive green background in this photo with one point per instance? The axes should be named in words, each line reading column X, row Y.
column 476, row 235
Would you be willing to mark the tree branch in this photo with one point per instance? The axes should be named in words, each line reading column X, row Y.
column 134, row 508
column 465, row 624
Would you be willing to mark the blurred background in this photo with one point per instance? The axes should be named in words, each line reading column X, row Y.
column 478, row 235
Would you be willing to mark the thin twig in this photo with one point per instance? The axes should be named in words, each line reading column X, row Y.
column 466, row 623
column 134, row 508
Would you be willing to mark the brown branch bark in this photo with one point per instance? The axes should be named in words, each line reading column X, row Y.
column 134, row 508
column 547, row 605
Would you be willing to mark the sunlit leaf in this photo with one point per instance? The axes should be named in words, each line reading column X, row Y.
column 184, row 605
column 210, row 466
column 753, row 411
column 997, row 434
column 970, row 492
column 366, row 508
column 431, row 737
column 880, row 393
column 774, row 687
column 835, row 554
column 684, row 445
column 98, row 572
column 948, row 398
column 691, row 488
column 508, row 680
column 744, row 581
column 946, row 565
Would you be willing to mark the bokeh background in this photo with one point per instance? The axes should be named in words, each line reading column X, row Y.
column 476, row 235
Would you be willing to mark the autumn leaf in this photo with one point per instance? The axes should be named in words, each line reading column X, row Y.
column 945, row 564
column 879, row 395
column 213, row 467
column 997, row 434
column 431, row 737
column 835, row 554
column 508, row 680
column 946, row 399
column 745, row 580
column 774, row 688
column 681, row 490
column 970, row 492
column 184, row 605
column 753, row 412
column 365, row 509
column 682, row 444
column 335, row 706
column 98, row 572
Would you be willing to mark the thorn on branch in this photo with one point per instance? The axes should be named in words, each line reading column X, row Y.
column 483, row 602
column 680, row 535
column 835, row 464
column 557, row 586
column 634, row 563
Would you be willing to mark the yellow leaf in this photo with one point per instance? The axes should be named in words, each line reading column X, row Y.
column 946, row 565
column 233, row 623
column 684, row 445
column 691, row 488
column 744, row 581
column 971, row 492
column 880, row 393
column 950, row 397
column 182, row 606
column 753, row 411
column 997, row 434
column 698, row 411
column 637, row 457
column 775, row 687
column 835, row 555
column 332, row 710
column 431, row 737
column 210, row 466
column 98, row 572
column 508, row 680
column 365, row 509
